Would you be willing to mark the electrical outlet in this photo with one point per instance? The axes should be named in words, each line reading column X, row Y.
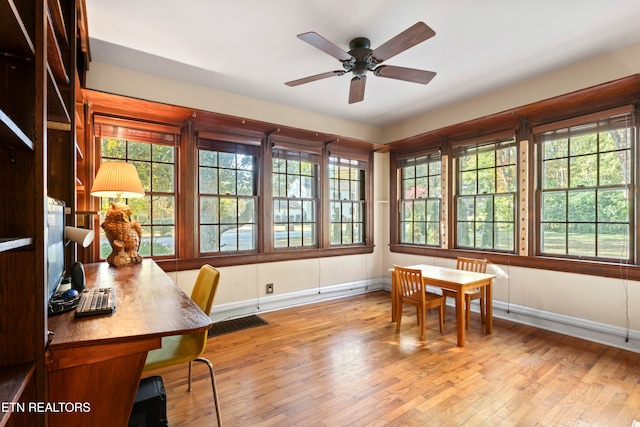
column 269, row 288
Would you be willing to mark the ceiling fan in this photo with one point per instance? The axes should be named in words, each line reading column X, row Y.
column 360, row 59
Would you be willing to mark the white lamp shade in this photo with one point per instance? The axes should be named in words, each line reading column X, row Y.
column 117, row 179
column 81, row 236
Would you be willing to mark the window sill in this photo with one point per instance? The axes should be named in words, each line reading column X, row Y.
column 226, row 260
column 593, row 268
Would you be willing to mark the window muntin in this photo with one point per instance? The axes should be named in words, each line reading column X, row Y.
column 295, row 198
column 585, row 189
column 156, row 211
column 485, row 200
column 346, row 201
column 227, row 194
column 420, row 200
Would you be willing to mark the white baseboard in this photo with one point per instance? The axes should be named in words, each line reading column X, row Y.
column 610, row 335
column 292, row 299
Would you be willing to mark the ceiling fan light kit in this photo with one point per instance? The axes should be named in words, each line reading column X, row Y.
column 361, row 59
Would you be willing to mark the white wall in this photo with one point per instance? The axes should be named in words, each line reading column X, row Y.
column 601, row 69
column 581, row 305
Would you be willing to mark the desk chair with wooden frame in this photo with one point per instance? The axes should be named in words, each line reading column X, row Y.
column 478, row 266
column 411, row 291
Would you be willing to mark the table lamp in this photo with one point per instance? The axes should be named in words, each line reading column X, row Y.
column 120, row 180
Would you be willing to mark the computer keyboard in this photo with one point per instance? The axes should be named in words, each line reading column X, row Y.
column 96, row 301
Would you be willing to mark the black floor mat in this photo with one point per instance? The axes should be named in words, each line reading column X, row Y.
column 233, row 325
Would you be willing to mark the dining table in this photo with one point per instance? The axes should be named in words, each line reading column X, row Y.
column 455, row 280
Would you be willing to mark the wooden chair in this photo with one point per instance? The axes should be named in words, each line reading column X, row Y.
column 178, row 349
column 479, row 266
column 411, row 290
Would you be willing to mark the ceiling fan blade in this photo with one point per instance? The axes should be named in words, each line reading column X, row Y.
column 406, row 74
column 316, row 40
column 314, row 78
column 410, row 37
column 356, row 92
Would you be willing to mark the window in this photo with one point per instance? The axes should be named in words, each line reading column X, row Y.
column 485, row 197
column 585, row 187
column 295, row 198
column 420, row 200
column 347, row 200
column 155, row 162
column 227, row 200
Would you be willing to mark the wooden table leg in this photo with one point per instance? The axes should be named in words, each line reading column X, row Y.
column 488, row 301
column 460, row 317
column 394, row 298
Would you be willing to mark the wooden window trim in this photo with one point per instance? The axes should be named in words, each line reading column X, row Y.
column 196, row 127
column 595, row 100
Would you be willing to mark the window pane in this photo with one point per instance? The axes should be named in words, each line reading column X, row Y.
column 435, row 186
column 468, row 182
column 484, row 235
column 613, row 240
column 227, row 219
column 506, row 179
column 584, row 171
column 409, row 189
column 163, row 210
column 486, row 181
column 227, row 181
column 209, row 238
column 614, row 168
column 208, row 180
column 465, row 234
column 466, row 209
column 208, row 158
column 484, row 209
column 420, row 206
column 556, row 149
column 228, row 210
column 613, row 205
column 504, row 208
column 162, row 179
column 156, row 211
column 114, row 148
column 582, row 239
column 163, row 240
column 419, row 233
column 162, row 153
column 209, row 210
column 245, row 183
column 582, row 206
column 554, row 206
column 504, row 236
column 554, row 238
column 555, row 174
column 139, row 151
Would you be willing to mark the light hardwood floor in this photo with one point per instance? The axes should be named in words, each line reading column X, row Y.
column 341, row 363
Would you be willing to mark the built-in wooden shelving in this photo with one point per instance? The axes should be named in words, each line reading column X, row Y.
column 13, row 379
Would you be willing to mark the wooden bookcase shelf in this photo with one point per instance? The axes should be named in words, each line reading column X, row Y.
column 11, row 243
column 38, row 60
column 15, row 40
column 13, row 379
column 11, row 134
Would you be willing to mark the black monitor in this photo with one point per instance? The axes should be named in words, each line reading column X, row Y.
column 55, row 245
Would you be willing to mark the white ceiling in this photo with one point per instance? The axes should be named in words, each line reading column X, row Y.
column 249, row 47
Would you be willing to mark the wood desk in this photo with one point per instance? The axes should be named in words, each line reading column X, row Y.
column 456, row 280
column 97, row 360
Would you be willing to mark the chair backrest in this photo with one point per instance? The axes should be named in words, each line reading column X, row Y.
column 205, row 288
column 472, row 264
column 409, row 282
